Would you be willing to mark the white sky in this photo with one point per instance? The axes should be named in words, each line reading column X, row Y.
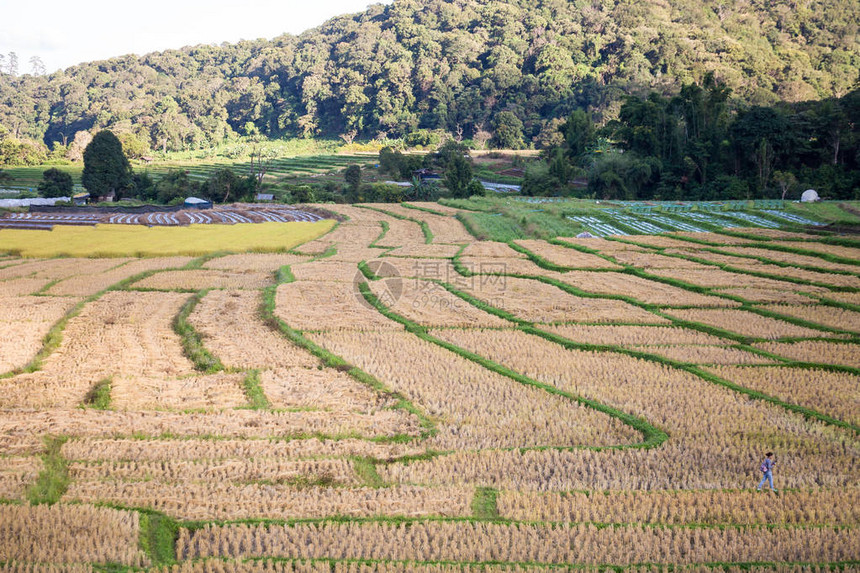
column 67, row 32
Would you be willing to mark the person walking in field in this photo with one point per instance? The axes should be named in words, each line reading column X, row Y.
column 767, row 470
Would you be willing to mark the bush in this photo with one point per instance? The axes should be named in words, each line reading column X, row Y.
column 55, row 183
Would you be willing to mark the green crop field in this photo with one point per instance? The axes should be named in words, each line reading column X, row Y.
column 397, row 395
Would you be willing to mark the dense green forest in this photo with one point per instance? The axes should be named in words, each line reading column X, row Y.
column 697, row 145
column 498, row 72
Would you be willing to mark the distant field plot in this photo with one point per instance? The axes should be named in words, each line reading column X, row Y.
column 765, row 296
column 217, row 499
column 229, row 322
column 90, row 283
column 201, row 448
column 717, row 278
column 16, row 475
column 823, row 278
column 430, row 304
column 746, row 323
column 70, row 533
column 506, row 266
column 705, row 354
column 832, row 317
column 833, row 393
column 536, row 301
column 826, row 507
column 128, row 240
column 818, row 351
column 644, row 290
column 251, row 262
column 432, row 250
column 193, row 280
column 566, row 257
column 340, row 306
column 791, row 258
column 490, row 249
column 852, row 253
column 211, row 392
column 479, row 542
column 633, row 335
column 24, row 321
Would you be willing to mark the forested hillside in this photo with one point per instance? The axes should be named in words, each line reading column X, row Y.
column 444, row 64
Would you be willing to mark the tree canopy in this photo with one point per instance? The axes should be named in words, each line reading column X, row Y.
column 106, row 168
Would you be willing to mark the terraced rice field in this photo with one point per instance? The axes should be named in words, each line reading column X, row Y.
column 397, row 396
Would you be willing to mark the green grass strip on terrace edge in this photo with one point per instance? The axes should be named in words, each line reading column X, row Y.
column 98, row 397
column 254, row 391
column 460, row 204
column 198, row 262
column 375, row 244
column 267, row 313
column 485, row 503
column 365, row 470
column 471, row 226
column 425, row 228
column 53, row 480
column 368, row 273
column 425, row 209
column 652, row 436
column 158, row 536
column 192, row 343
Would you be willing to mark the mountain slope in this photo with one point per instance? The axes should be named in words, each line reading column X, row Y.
column 446, row 64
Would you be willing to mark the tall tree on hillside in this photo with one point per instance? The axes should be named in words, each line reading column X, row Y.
column 12, row 64
column 106, row 167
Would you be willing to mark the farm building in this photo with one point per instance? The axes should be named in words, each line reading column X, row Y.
column 81, row 198
column 264, row 197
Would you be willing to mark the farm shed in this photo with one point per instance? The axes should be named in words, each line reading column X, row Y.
column 264, row 197
column 81, row 198
column 197, row 203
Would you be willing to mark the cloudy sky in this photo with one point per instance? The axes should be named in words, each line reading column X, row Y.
column 63, row 32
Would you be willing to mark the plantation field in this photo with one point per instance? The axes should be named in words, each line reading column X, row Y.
column 28, row 178
column 137, row 241
column 390, row 393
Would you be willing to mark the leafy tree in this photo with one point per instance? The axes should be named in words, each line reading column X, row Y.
column 55, row 183
column 508, row 131
column 224, row 186
column 579, row 134
column 458, row 176
column 352, row 176
column 175, row 186
column 106, row 167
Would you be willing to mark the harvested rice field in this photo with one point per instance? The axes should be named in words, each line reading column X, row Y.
column 389, row 394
